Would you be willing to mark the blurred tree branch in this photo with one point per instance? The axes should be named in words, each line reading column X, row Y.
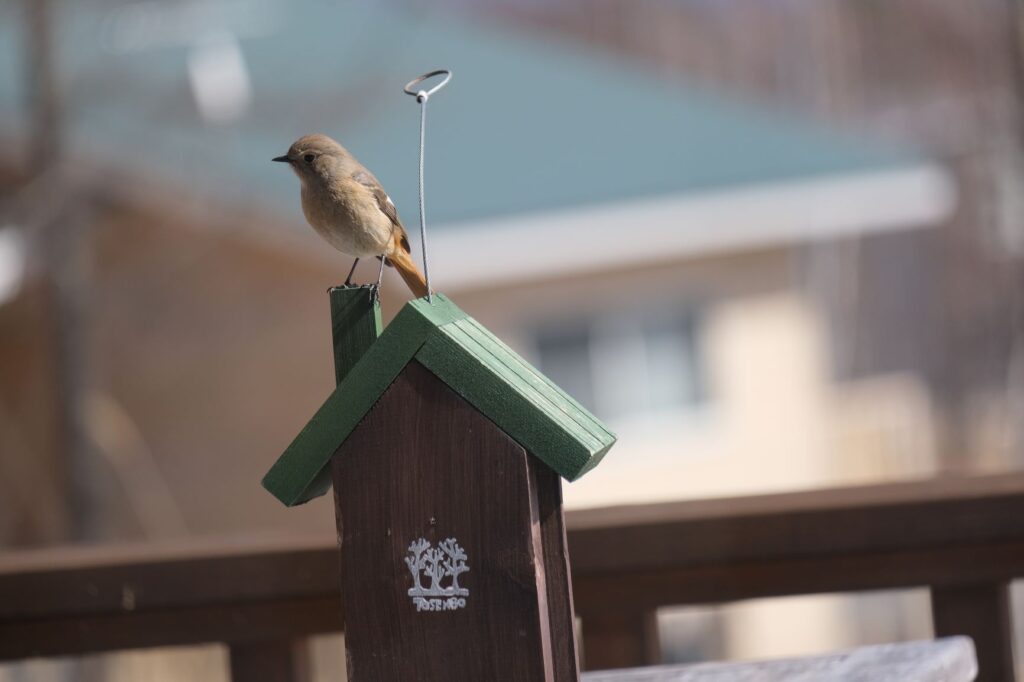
column 63, row 238
column 41, row 86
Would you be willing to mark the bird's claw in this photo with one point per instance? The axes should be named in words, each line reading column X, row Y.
column 374, row 289
column 346, row 285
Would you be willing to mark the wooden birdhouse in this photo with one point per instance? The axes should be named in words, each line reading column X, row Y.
column 445, row 450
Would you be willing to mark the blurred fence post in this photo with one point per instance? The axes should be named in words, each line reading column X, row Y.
column 982, row 612
column 620, row 639
column 278, row 660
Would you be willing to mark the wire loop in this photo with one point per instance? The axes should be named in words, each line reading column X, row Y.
column 408, row 89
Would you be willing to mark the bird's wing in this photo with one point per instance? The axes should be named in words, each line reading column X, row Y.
column 384, row 203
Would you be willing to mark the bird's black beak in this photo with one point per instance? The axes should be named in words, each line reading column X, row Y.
column 282, row 159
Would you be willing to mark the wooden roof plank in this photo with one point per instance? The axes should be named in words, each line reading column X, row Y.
column 565, row 450
column 537, row 381
column 546, row 402
column 473, row 362
column 355, row 326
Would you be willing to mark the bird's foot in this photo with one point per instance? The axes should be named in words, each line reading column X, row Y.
column 347, row 285
column 374, row 289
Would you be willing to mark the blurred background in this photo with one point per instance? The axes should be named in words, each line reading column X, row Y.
column 776, row 244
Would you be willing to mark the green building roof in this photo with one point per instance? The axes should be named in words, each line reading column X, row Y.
column 528, row 124
column 473, row 362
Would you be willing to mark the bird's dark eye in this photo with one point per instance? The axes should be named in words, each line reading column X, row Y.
column 309, row 158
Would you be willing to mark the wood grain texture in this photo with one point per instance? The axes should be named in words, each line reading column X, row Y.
column 945, row 660
column 277, row 660
column 424, row 464
column 981, row 612
column 561, row 614
column 355, row 326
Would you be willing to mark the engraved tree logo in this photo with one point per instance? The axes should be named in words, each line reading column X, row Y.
column 436, row 571
column 416, row 561
column 454, row 563
column 447, row 560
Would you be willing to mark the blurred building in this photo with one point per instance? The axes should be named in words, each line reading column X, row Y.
column 940, row 74
column 641, row 240
column 758, row 295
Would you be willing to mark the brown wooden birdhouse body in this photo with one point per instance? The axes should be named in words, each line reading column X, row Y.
column 445, row 451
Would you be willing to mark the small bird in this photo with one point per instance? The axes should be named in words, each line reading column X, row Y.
column 347, row 206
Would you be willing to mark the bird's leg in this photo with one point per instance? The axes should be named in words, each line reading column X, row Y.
column 380, row 276
column 348, row 280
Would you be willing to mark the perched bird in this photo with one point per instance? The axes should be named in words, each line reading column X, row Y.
column 346, row 205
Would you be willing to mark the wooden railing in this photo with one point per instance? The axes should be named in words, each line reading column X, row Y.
column 962, row 538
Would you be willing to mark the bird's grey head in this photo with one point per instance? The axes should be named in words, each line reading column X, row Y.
column 315, row 158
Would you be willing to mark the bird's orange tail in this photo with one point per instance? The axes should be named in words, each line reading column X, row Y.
column 411, row 274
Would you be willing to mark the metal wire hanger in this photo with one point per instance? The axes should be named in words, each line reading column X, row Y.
column 422, row 96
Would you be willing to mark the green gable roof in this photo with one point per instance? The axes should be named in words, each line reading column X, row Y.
column 475, row 364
